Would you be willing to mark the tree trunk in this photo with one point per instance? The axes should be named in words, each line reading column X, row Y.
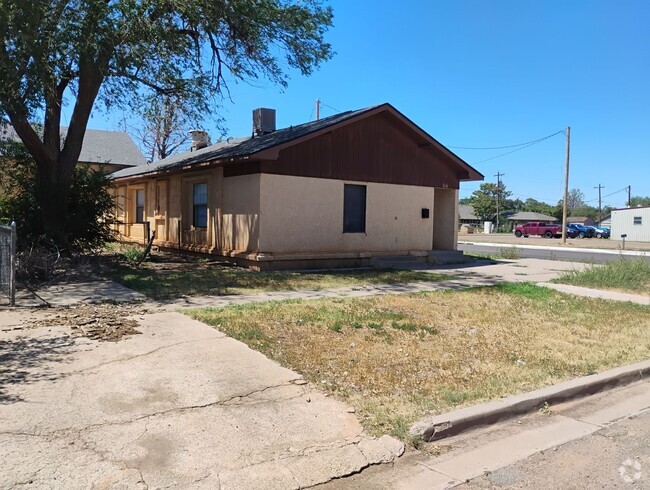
column 53, row 181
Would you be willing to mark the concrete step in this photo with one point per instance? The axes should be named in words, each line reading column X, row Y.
column 398, row 262
column 438, row 257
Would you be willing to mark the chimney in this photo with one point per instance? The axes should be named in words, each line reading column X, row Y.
column 200, row 139
column 263, row 121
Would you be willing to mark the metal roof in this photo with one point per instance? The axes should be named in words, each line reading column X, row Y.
column 232, row 149
column 99, row 146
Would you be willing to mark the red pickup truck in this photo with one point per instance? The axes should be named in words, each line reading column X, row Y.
column 538, row 228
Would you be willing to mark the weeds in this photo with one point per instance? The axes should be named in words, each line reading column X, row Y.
column 625, row 274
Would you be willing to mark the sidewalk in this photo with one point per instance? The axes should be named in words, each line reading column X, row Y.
column 597, row 293
column 558, row 246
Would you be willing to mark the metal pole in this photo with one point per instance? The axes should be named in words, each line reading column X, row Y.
column 317, row 109
column 600, row 203
column 566, row 184
column 12, row 271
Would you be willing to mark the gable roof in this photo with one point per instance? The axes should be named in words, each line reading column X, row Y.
column 99, row 146
column 578, row 219
column 268, row 146
column 466, row 212
column 531, row 216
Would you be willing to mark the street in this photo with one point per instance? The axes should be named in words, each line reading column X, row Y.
column 539, row 251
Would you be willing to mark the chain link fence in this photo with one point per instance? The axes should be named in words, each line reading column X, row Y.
column 8, row 261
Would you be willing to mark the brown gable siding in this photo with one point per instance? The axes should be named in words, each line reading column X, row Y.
column 374, row 149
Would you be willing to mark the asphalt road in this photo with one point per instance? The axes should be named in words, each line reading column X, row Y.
column 552, row 253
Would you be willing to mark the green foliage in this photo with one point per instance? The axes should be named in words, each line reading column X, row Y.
column 89, row 211
column 640, row 201
column 133, row 255
column 484, row 200
column 629, row 274
column 535, row 206
column 510, row 253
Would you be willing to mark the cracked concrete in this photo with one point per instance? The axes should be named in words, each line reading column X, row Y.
column 181, row 405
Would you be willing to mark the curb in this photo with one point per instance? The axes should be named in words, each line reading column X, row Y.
column 608, row 251
column 452, row 423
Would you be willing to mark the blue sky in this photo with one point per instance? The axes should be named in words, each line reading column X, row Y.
column 491, row 73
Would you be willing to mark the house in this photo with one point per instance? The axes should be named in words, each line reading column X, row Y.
column 333, row 192
column 466, row 215
column 632, row 222
column 106, row 150
column 525, row 216
column 606, row 222
column 581, row 220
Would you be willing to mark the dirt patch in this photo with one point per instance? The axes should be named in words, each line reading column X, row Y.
column 102, row 322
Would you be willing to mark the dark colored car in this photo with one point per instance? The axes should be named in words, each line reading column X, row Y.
column 580, row 230
column 602, row 232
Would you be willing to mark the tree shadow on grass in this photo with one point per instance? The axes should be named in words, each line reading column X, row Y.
column 26, row 360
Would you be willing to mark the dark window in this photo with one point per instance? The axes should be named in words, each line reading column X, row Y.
column 200, row 202
column 139, row 206
column 354, row 209
column 638, row 220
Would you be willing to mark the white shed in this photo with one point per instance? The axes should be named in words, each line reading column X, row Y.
column 633, row 222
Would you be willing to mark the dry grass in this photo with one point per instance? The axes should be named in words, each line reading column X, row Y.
column 397, row 358
column 168, row 276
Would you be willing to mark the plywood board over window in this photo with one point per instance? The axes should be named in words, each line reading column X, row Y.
column 354, row 208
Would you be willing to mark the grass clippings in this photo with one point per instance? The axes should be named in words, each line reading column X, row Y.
column 397, row 358
column 631, row 275
column 167, row 276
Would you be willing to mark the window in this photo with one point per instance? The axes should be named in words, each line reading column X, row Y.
column 200, row 208
column 354, row 209
column 139, row 206
column 638, row 220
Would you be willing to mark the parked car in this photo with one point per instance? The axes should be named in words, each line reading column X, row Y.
column 538, row 228
column 602, row 232
column 582, row 231
column 571, row 233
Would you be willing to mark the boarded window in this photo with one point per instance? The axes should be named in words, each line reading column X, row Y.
column 354, row 209
column 139, row 206
column 200, row 208
column 638, row 220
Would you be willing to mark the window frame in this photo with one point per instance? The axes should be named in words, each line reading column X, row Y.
column 637, row 220
column 199, row 206
column 139, row 210
column 357, row 225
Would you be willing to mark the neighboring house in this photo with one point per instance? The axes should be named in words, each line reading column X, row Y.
column 331, row 192
column 466, row 215
column 606, row 222
column 108, row 150
column 525, row 216
column 581, row 220
column 633, row 222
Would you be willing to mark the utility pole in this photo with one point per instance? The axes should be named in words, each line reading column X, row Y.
column 600, row 203
column 629, row 196
column 566, row 184
column 317, row 109
column 498, row 176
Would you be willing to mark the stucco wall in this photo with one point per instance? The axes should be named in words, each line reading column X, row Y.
column 303, row 214
column 445, row 218
column 241, row 213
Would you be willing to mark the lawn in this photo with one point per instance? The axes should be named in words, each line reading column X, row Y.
column 397, row 358
column 167, row 276
column 630, row 275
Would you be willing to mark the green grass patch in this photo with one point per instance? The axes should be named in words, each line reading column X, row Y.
column 625, row 274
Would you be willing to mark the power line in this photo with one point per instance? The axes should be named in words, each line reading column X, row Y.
column 508, row 146
column 504, row 154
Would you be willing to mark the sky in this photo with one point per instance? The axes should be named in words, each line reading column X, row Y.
column 478, row 73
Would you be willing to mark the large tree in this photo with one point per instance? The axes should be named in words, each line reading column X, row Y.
column 484, row 200
column 111, row 53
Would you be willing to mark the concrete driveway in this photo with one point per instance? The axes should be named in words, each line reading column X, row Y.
column 180, row 405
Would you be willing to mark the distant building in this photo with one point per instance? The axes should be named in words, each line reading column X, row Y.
column 526, row 216
column 466, row 215
column 581, row 220
column 633, row 222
